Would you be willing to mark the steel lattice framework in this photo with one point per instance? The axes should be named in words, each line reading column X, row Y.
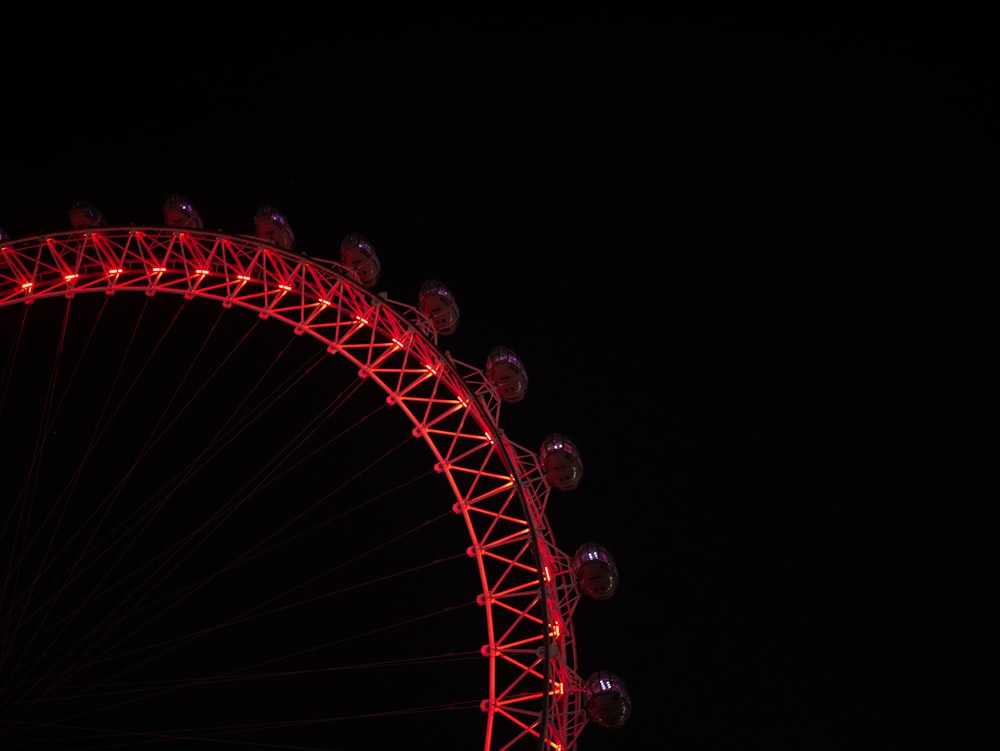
column 536, row 697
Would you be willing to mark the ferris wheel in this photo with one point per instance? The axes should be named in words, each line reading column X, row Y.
column 248, row 499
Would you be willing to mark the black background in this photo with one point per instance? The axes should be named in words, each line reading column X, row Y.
column 747, row 260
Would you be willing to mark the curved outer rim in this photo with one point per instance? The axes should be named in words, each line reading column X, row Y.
column 529, row 594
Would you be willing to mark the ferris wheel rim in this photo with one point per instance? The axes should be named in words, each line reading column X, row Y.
column 239, row 270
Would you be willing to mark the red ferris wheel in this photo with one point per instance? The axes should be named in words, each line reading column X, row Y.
column 250, row 500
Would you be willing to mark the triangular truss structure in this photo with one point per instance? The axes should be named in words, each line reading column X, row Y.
column 535, row 697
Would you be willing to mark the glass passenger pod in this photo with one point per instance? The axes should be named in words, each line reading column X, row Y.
column 271, row 226
column 595, row 571
column 357, row 254
column 4, row 236
column 608, row 701
column 438, row 304
column 506, row 372
column 561, row 462
column 85, row 215
column 180, row 212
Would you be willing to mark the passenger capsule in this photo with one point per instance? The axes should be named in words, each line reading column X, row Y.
column 506, row 372
column 438, row 303
column 180, row 212
column 595, row 571
column 85, row 215
column 4, row 236
column 272, row 227
column 358, row 255
column 561, row 462
column 608, row 702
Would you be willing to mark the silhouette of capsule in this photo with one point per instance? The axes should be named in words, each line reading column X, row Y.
column 358, row 255
column 438, row 303
column 271, row 226
column 85, row 215
column 561, row 462
column 608, row 701
column 595, row 571
column 505, row 371
column 180, row 212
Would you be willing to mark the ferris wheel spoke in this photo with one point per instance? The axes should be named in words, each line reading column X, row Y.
column 128, row 526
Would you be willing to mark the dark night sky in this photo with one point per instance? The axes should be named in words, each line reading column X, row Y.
column 746, row 261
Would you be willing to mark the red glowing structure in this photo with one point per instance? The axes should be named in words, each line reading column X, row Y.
column 534, row 697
